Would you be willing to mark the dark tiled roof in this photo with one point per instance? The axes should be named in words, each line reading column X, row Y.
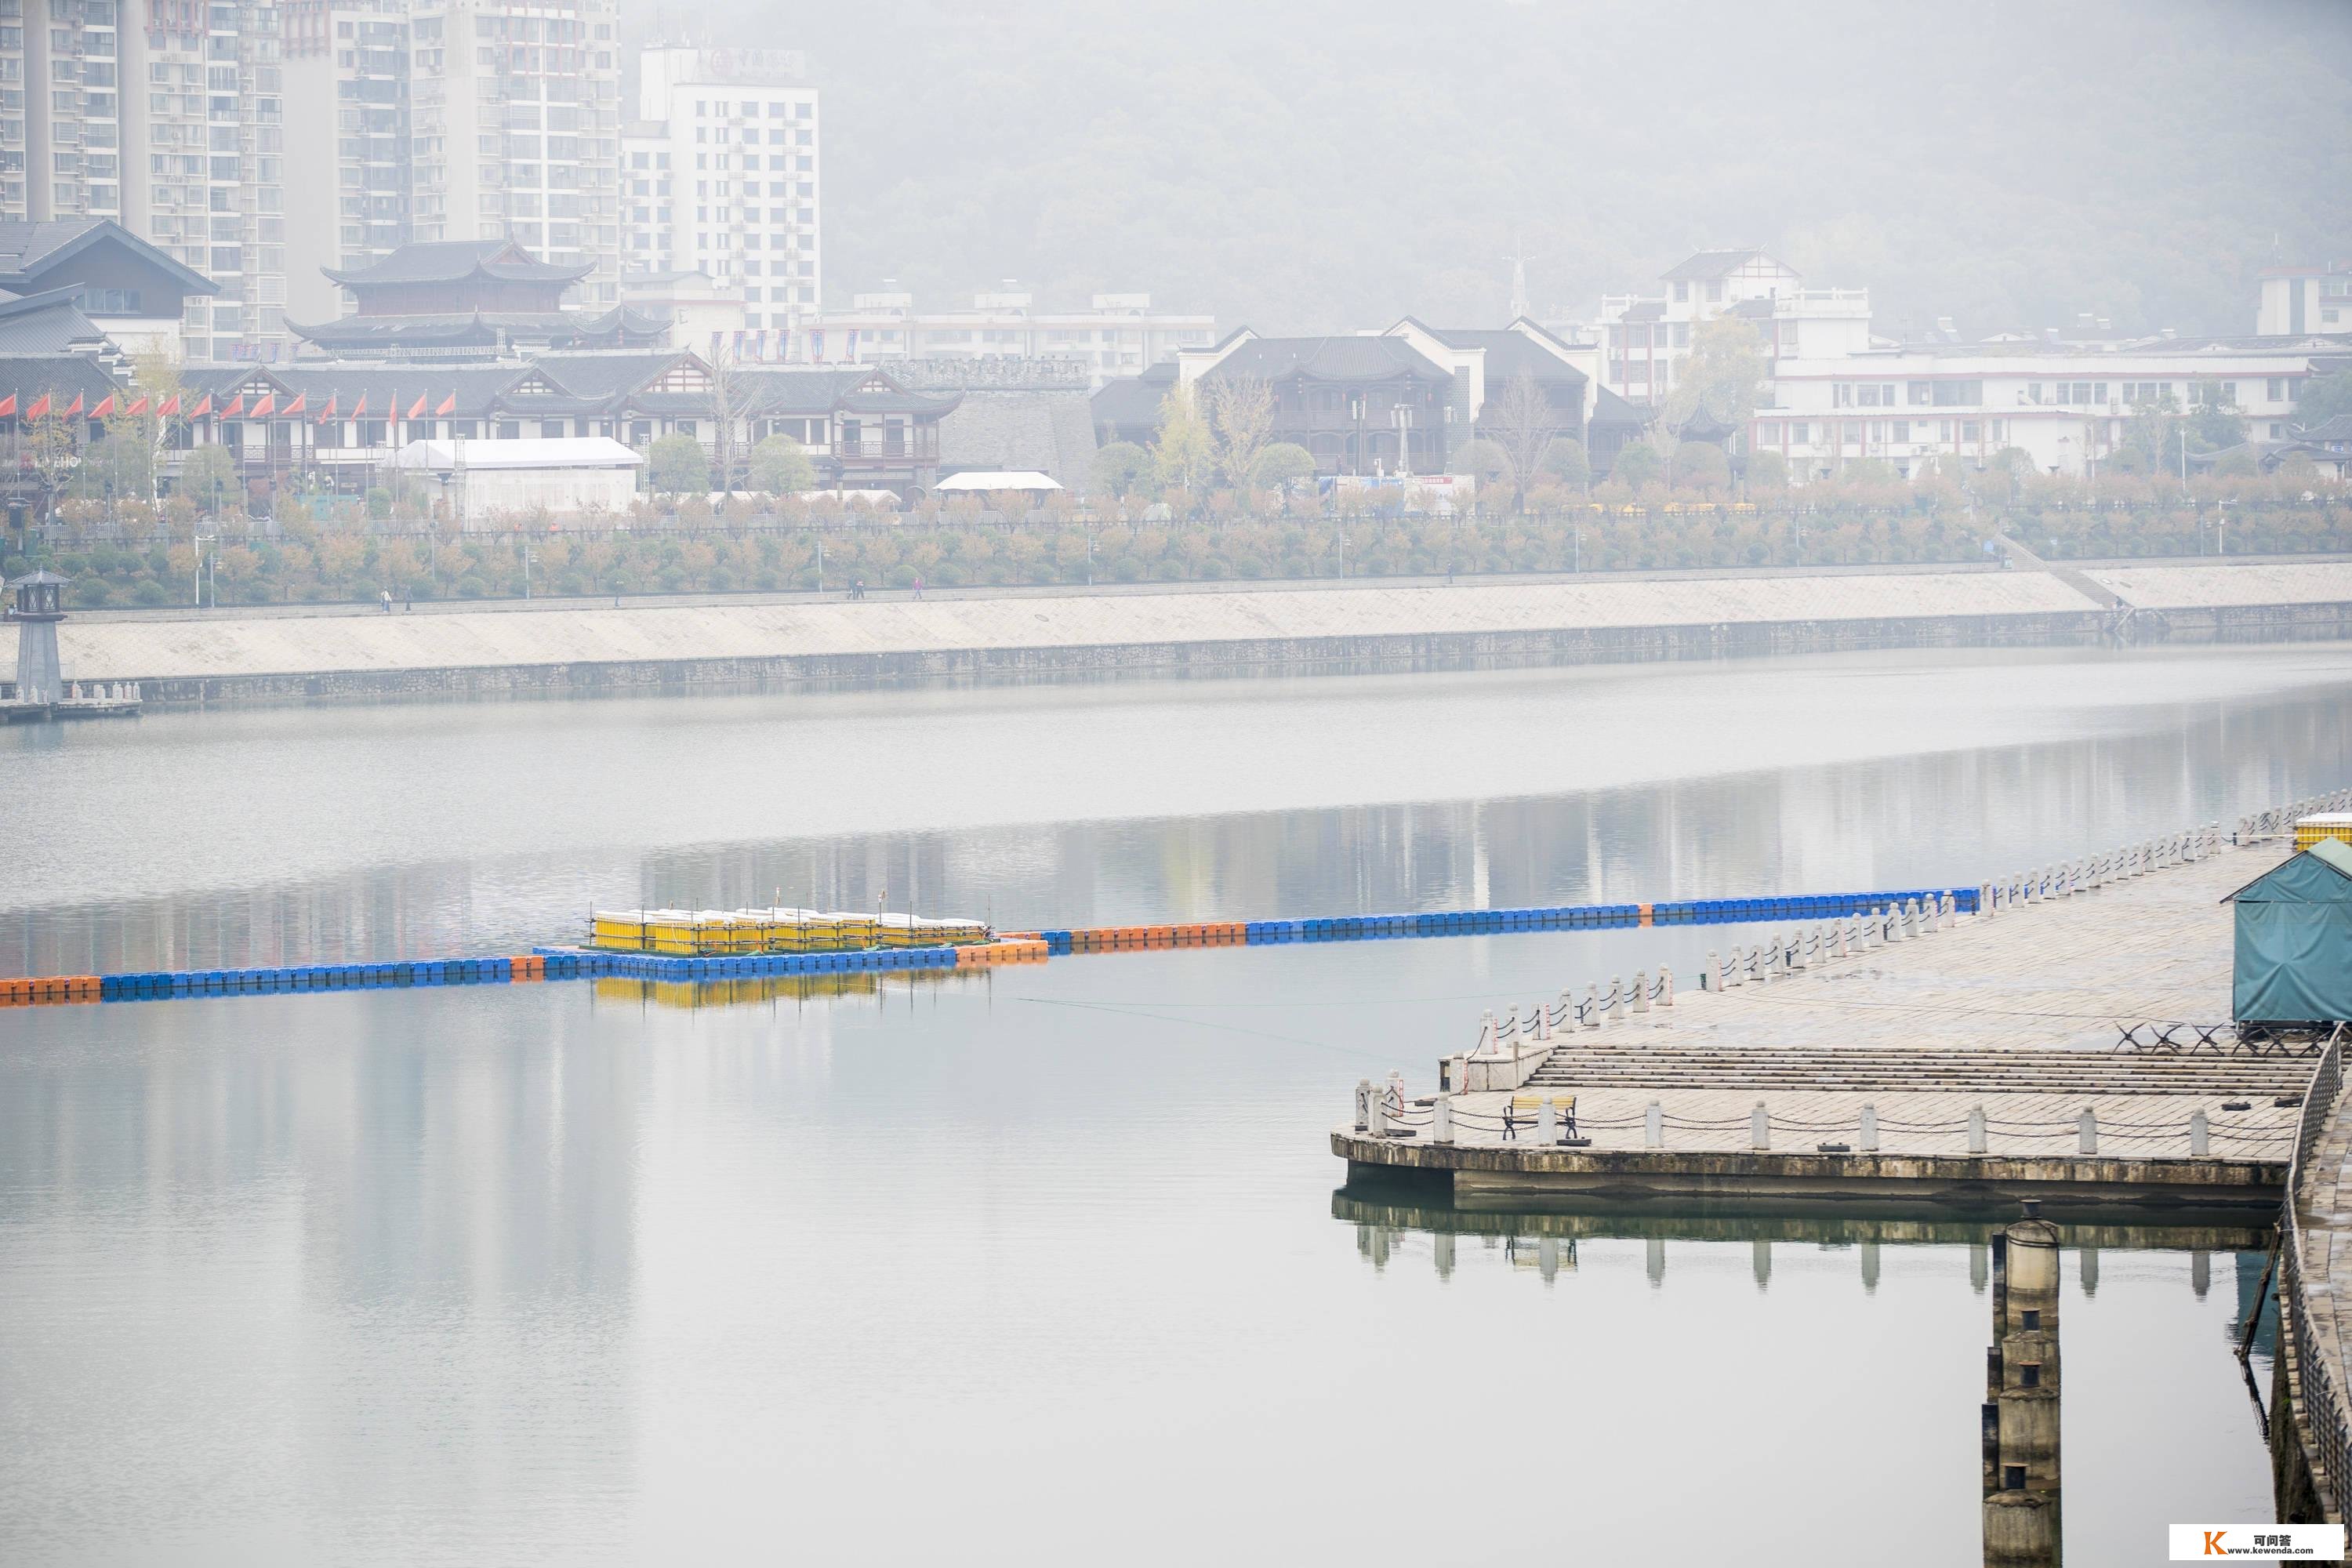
column 2337, row 430
column 1509, row 355
column 478, row 388
column 59, row 375
column 1647, row 311
column 481, row 327
column 591, row 374
column 454, row 260
column 889, row 399
column 766, row 394
column 45, row 324
column 28, row 249
column 1708, row 264
column 1132, row 402
column 1327, row 359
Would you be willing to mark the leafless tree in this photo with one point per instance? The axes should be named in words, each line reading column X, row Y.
column 1524, row 422
column 1241, row 421
column 727, row 391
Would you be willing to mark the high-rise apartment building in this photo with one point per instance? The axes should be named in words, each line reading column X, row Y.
column 203, row 170
column 13, row 118
column 515, row 121
column 346, row 68
column 722, row 177
column 73, row 149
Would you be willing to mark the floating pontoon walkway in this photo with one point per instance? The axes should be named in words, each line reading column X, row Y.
column 1988, row 1057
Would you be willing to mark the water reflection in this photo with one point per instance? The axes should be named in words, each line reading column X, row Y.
column 1941, row 816
column 2017, row 1266
column 2023, row 1512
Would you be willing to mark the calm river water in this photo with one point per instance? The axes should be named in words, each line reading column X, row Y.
column 1045, row 1264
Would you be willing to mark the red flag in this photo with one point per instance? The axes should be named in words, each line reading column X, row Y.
column 361, row 406
column 40, row 408
column 326, row 415
column 262, row 406
column 298, row 407
column 73, row 407
column 8, row 407
column 236, row 407
column 168, row 407
column 416, row 409
column 204, row 406
column 137, row 406
column 447, row 407
column 105, row 406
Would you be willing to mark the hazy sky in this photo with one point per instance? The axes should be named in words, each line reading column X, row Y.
column 1310, row 164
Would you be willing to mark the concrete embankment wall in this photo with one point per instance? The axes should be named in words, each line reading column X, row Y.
column 496, row 652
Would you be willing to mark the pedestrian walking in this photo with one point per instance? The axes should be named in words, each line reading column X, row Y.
column 387, row 601
column 919, row 587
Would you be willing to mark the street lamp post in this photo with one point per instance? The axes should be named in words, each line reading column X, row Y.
column 196, row 584
column 1403, row 417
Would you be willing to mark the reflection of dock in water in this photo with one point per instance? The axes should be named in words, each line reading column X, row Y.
column 2022, row 1513
column 751, row 990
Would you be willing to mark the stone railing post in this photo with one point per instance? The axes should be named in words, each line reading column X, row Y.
column 1654, row 1126
column 1760, row 1128
column 2086, row 1127
column 1867, row 1141
column 1441, row 1119
column 2199, row 1134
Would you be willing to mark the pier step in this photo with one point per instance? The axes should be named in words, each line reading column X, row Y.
column 1991, row 1071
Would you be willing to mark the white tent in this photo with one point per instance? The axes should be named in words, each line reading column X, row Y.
column 1027, row 480
column 564, row 476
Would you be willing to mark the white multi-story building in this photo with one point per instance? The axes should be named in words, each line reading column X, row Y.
column 1643, row 338
column 1119, row 335
column 2296, row 299
column 346, row 68
column 2064, row 407
column 722, row 177
column 515, row 119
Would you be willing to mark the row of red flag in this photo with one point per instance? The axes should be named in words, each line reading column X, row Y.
column 265, row 406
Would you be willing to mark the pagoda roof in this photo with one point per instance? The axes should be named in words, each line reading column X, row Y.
column 455, row 260
column 465, row 328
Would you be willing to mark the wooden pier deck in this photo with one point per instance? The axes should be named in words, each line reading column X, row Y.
column 2017, row 1014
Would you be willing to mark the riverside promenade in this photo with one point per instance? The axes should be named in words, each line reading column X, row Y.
column 228, row 655
column 1990, row 1057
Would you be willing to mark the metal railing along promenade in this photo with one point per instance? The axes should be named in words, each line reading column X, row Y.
column 2320, row 1389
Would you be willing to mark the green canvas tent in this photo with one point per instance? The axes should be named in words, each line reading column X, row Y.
column 2294, row 940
